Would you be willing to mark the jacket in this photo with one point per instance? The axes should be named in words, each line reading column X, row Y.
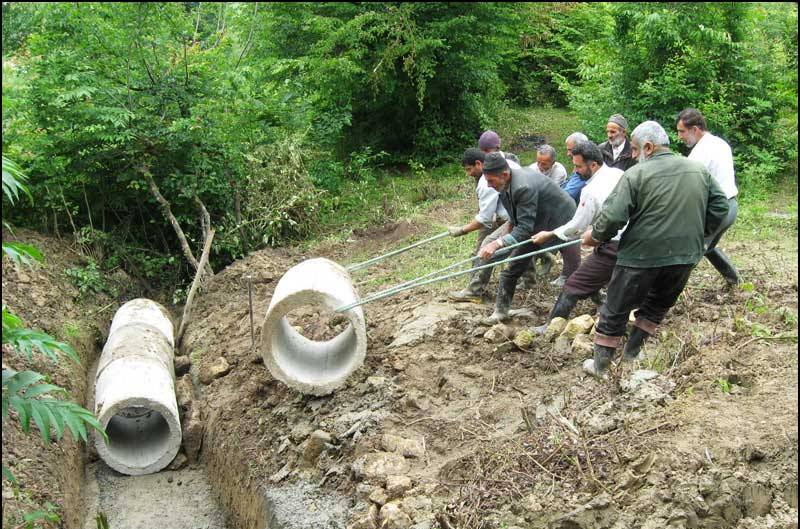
column 625, row 159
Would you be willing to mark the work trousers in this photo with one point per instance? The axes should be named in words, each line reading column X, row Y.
column 594, row 272
column 653, row 290
column 571, row 255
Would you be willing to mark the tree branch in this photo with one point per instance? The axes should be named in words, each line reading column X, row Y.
column 190, row 298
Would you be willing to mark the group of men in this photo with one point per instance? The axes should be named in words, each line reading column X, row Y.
column 651, row 216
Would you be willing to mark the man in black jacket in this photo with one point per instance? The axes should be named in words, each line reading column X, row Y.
column 534, row 203
column 617, row 150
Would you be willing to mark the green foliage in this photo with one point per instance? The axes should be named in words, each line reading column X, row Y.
column 88, row 279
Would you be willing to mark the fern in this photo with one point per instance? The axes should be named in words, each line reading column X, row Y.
column 26, row 340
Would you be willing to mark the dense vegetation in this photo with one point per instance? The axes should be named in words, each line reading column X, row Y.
column 265, row 119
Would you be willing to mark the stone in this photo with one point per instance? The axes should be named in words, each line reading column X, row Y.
column 637, row 378
column 392, row 517
column 184, row 392
column 583, row 346
column 315, row 444
column 378, row 465
column 376, row 382
column 523, row 339
column 503, row 349
column 563, row 345
column 406, row 447
column 499, row 333
column 300, row 431
column 211, row 372
column 367, row 520
column 423, row 323
column 193, row 430
column 396, row 486
column 418, row 507
column 554, row 328
column 179, row 462
column 580, row 325
column 756, row 499
column 471, row 371
column 379, row 496
column 182, row 365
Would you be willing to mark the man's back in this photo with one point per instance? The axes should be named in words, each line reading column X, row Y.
column 715, row 154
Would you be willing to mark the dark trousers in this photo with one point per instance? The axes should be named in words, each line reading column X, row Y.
column 715, row 256
column 514, row 270
column 653, row 290
column 594, row 272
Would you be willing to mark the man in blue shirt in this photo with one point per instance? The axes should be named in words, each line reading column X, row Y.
column 574, row 183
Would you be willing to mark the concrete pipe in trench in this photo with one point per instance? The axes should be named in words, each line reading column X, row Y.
column 312, row 367
column 135, row 391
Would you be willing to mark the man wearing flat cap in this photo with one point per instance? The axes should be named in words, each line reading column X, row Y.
column 534, row 203
column 617, row 150
column 489, row 142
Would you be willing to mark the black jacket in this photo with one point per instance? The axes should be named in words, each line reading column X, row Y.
column 625, row 160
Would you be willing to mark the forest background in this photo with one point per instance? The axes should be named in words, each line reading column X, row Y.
column 277, row 123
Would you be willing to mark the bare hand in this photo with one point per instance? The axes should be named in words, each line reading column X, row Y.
column 542, row 237
column 487, row 251
column 588, row 240
column 456, row 231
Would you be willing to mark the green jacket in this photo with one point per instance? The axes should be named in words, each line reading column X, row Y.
column 670, row 203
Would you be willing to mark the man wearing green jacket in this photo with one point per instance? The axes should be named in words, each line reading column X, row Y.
column 670, row 203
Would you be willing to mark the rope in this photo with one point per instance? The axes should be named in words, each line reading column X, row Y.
column 417, row 283
column 359, row 266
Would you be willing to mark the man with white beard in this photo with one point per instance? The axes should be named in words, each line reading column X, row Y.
column 715, row 154
column 617, row 150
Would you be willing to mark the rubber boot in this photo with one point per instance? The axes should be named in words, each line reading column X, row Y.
column 598, row 366
column 545, row 264
column 598, row 298
column 477, row 284
column 634, row 344
column 724, row 266
column 505, row 293
column 528, row 279
column 562, row 309
column 559, row 281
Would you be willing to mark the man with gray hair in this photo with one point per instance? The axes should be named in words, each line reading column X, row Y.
column 670, row 204
column 575, row 184
column 617, row 150
column 547, row 165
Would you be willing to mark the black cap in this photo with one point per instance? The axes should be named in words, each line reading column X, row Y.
column 494, row 163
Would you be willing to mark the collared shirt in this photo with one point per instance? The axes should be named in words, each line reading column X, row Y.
column 557, row 173
column 511, row 159
column 618, row 150
column 489, row 205
column 596, row 191
column 715, row 154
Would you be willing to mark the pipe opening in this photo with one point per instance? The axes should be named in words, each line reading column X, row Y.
column 317, row 323
column 138, row 436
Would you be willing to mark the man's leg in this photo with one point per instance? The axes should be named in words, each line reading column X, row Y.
column 479, row 279
column 508, row 282
column 717, row 257
column 662, row 296
column 629, row 287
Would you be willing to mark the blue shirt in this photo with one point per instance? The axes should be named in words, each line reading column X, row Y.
column 573, row 186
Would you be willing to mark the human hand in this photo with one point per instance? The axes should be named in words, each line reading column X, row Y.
column 487, row 251
column 456, row 231
column 588, row 240
column 542, row 237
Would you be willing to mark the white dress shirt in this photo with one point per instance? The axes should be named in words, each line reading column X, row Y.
column 489, row 206
column 715, row 154
column 593, row 195
column 616, row 151
column 557, row 172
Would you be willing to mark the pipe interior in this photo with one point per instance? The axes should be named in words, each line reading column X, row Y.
column 137, row 436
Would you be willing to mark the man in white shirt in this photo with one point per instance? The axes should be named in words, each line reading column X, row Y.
column 596, row 270
column 547, row 165
column 715, row 154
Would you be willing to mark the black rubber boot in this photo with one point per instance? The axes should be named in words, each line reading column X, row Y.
column 505, row 293
column 598, row 366
column 562, row 309
column 545, row 262
column 724, row 266
column 634, row 344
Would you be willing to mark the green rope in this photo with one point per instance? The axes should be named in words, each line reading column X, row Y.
column 417, row 283
column 359, row 266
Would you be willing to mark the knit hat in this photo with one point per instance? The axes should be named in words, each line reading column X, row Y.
column 489, row 140
column 494, row 163
column 619, row 119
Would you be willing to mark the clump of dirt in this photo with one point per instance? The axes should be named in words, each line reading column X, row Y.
column 445, row 427
column 317, row 323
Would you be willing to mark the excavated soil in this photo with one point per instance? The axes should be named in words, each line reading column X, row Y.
column 492, row 435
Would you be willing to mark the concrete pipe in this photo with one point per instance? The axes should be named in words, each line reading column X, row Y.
column 135, row 391
column 313, row 367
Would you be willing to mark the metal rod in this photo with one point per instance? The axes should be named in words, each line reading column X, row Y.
column 359, row 266
column 250, row 295
column 397, row 290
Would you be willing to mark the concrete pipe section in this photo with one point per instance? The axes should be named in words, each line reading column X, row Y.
column 313, row 367
column 135, row 391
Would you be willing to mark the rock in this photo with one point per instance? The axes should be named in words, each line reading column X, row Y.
column 280, row 475
column 756, row 499
column 637, row 378
column 504, row 348
column 471, row 371
column 499, row 333
column 418, row 507
column 563, row 346
column 406, row 447
column 367, row 520
column 580, row 325
column 583, row 346
column 392, row 517
column 379, row 496
column 179, row 462
column 182, row 365
column 218, row 369
column 315, row 444
column 376, row 382
column 396, row 486
column 300, row 431
column 554, row 328
column 377, row 465
column 423, row 322
column 523, row 339
column 193, row 430
column 553, row 406
column 363, row 490
column 184, row 392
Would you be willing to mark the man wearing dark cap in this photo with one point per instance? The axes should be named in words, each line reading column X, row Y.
column 534, row 203
column 490, row 142
column 617, row 150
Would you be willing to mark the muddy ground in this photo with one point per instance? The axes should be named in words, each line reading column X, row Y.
column 448, row 424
